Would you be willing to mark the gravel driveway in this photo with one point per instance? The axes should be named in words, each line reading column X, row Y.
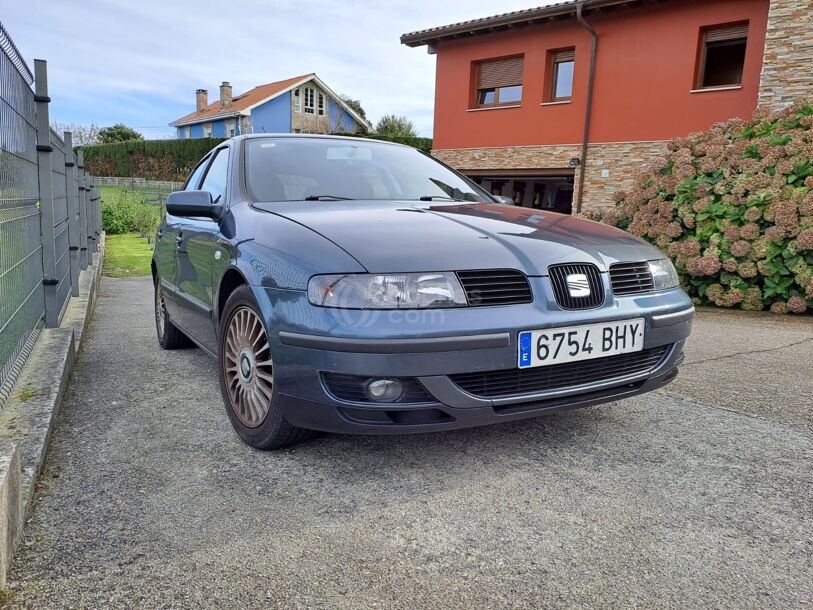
column 700, row 495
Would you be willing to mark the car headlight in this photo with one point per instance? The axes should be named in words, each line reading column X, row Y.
column 664, row 275
column 387, row 291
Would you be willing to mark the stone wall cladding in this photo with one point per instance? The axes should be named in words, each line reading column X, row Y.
column 788, row 63
column 623, row 160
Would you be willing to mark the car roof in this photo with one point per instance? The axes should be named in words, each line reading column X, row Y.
column 313, row 136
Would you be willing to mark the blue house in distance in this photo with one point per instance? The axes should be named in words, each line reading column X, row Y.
column 303, row 104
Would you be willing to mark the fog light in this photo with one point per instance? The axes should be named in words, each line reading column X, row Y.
column 384, row 390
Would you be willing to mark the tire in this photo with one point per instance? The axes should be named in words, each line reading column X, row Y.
column 169, row 336
column 245, row 370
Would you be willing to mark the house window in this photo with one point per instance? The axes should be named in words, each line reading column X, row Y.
column 499, row 82
column 561, row 64
column 207, row 130
column 187, row 132
column 321, row 107
column 297, row 101
column 309, row 101
column 722, row 56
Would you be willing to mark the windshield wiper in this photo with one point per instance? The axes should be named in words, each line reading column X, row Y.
column 433, row 197
column 326, row 198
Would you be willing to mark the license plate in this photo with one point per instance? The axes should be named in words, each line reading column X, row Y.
column 573, row 343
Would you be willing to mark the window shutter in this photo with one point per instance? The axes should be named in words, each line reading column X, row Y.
column 566, row 55
column 500, row 73
column 731, row 32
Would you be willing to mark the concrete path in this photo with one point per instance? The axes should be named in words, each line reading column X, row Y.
column 698, row 496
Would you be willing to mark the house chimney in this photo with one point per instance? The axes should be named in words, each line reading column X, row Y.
column 201, row 99
column 225, row 94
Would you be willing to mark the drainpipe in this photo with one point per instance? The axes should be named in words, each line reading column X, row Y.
column 589, row 108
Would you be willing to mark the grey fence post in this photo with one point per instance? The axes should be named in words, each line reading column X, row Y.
column 83, row 213
column 94, row 197
column 73, row 211
column 49, row 280
column 89, row 208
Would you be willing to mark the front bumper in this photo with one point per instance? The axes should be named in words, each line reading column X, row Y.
column 432, row 349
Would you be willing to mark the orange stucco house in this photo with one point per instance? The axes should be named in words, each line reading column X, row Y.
column 536, row 103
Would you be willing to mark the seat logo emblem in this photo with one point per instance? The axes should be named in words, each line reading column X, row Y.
column 578, row 286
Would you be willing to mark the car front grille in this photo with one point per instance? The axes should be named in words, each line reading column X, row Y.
column 351, row 388
column 631, row 278
column 495, row 287
column 516, row 382
column 558, row 279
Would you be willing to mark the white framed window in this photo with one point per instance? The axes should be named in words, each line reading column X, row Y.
column 207, row 130
column 297, row 101
column 321, row 106
column 187, row 132
column 310, row 96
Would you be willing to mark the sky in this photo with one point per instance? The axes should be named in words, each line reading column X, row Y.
column 139, row 63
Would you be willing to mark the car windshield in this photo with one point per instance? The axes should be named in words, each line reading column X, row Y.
column 311, row 169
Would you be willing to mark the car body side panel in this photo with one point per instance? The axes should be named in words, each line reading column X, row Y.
column 194, row 279
column 165, row 257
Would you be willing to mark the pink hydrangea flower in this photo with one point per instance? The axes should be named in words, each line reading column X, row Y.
column 797, row 305
column 740, row 248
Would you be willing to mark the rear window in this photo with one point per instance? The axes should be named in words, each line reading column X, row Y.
column 294, row 169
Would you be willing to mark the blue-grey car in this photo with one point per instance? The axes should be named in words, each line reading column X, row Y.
column 357, row 286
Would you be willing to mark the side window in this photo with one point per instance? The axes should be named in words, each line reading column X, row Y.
column 194, row 179
column 215, row 180
column 561, row 73
column 722, row 56
column 499, row 82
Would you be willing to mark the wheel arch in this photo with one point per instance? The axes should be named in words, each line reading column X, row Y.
column 232, row 279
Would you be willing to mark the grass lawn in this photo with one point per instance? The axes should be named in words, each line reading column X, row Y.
column 150, row 194
column 127, row 255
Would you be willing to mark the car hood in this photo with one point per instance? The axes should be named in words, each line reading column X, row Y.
column 403, row 236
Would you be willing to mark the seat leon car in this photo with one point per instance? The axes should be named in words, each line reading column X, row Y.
column 357, row 286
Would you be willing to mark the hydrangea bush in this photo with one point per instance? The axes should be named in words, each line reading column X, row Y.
column 733, row 209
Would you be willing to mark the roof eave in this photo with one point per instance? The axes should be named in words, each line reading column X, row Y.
column 505, row 21
column 205, row 119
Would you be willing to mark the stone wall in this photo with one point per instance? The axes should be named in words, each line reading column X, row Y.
column 787, row 69
column 610, row 167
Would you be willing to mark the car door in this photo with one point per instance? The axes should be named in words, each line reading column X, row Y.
column 166, row 246
column 196, row 251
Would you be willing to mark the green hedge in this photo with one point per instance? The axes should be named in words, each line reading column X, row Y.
column 175, row 159
column 733, row 208
column 155, row 159
column 424, row 144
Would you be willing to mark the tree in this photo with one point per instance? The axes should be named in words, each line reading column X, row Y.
column 395, row 126
column 355, row 105
column 118, row 133
column 83, row 135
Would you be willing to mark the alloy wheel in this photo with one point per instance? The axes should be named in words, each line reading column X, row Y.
column 160, row 313
column 248, row 367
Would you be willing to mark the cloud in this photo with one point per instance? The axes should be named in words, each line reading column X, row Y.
column 139, row 63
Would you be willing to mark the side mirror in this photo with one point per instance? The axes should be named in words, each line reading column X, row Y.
column 504, row 199
column 193, row 203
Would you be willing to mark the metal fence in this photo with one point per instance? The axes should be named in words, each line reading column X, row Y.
column 49, row 213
